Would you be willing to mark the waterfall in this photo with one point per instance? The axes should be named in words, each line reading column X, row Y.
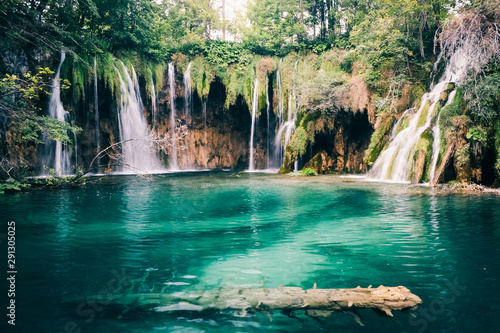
column 395, row 163
column 171, row 81
column 137, row 148
column 153, row 106
column 96, row 113
column 255, row 105
column 268, row 106
column 286, row 128
column 204, row 110
column 278, row 147
column 436, row 145
column 56, row 154
column 188, row 93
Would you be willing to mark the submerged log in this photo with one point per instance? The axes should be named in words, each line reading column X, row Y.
column 314, row 301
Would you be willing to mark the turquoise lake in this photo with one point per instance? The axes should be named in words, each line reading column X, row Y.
column 213, row 230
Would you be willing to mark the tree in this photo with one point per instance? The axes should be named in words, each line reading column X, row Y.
column 18, row 100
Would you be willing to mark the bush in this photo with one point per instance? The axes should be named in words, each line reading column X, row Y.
column 307, row 172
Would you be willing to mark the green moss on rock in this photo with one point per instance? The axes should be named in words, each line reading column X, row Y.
column 423, row 115
column 422, row 157
column 379, row 139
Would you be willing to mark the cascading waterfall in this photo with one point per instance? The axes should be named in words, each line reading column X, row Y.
column 137, row 150
column 436, row 145
column 395, row 163
column 204, row 111
column 255, row 105
column 286, row 128
column 96, row 113
column 56, row 154
column 268, row 106
column 188, row 93
column 278, row 147
column 171, row 81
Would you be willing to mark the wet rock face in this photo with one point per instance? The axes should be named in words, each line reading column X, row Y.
column 321, row 162
column 419, row 167
column 341, row 147
column 215, row 140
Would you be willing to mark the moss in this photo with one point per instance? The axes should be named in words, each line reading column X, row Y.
column 403, row 124
column 202, row 75
column 448, row 113
column 148, row 76
column 287, row 164
column 450, row 87
column 416, row 93
column 106, row 71
column 423, row 115
column 463, row 163
column 159, row 75
column 424, row 145
column 497, row 150
column 379, row 139
column 298, row 143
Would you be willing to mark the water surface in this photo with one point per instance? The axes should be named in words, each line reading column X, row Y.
column 204, row 231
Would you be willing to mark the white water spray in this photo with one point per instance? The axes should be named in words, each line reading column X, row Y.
column 137, row 149
column 96, row 113
column 268, row 106
column 395, row 163
column 58, row 156
column 286, row 128
column 255, row 105
column 188, row 93
column 171, row 81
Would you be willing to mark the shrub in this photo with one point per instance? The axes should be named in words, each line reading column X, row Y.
column 307, row 172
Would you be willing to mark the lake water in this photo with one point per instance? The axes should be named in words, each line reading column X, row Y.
column 204, row 231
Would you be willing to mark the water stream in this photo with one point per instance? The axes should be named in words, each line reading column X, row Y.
column 56, row 154
column 173, row 125
column 396, row 162
column 138, row 153
column 96, row 113
column 188, row 95
column 255, row 105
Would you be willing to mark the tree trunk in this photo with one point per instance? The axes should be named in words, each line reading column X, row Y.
column 317, row 302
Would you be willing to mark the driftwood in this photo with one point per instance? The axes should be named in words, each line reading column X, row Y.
column 446, row 159
column 316, row 302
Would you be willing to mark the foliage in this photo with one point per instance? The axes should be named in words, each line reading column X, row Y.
column 318, row 89
column 308, row 172
column 56, row 181
column 483, row 96
column 477, row 134
column 11, row 185
column 18, row 101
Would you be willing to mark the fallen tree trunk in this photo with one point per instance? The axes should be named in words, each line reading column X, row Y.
column 446, row 159
column 316, row 302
